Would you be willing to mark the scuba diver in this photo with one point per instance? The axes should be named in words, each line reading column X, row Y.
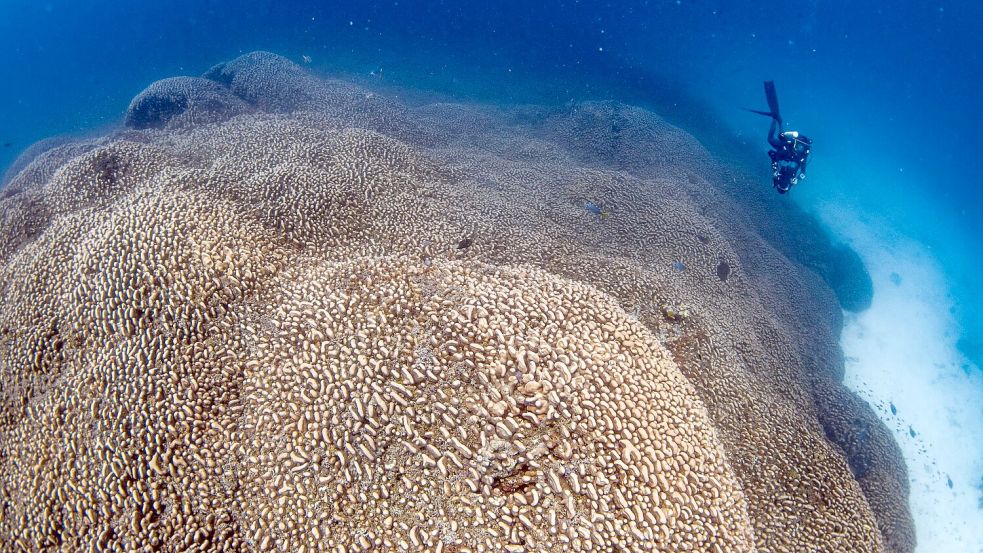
column 790, row 148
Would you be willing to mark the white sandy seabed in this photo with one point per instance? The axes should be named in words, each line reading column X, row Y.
column 901, row 357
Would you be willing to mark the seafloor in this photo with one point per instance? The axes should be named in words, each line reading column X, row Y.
column 274, row 311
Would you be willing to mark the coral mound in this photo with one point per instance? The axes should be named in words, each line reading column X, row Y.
column 482, row 409
column 182, row 101
column 283, row 312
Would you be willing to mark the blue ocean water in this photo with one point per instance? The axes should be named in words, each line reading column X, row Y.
column 888, row 92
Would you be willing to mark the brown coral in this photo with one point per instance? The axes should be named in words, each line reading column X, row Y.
column 261, row 331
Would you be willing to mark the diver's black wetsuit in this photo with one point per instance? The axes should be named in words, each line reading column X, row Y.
column 789, row 157
column 791, row 150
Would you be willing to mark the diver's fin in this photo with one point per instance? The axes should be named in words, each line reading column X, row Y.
column 759, row 112
column 772, row 97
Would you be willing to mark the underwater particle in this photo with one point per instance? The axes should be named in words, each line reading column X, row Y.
column 912, row 432
column 465, row 243
column 896, row 279
column 894, row 410
column 679, row 266
column 723, row 271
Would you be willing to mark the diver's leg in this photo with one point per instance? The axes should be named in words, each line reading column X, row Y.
column 772, row 96
column 774, row 131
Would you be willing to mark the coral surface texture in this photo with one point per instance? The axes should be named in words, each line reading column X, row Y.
column 279, row 312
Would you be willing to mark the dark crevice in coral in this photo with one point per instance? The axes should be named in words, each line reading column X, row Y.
column 723, row 271
column 155, row 112
column 218, row 74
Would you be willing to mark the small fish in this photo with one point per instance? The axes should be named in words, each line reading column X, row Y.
column 306, row 58
column 602, row 212
column 912, row 432
column 894, row 410
column 679, row 266
column 465, row 243
column 948, row 481
column 7, row 144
